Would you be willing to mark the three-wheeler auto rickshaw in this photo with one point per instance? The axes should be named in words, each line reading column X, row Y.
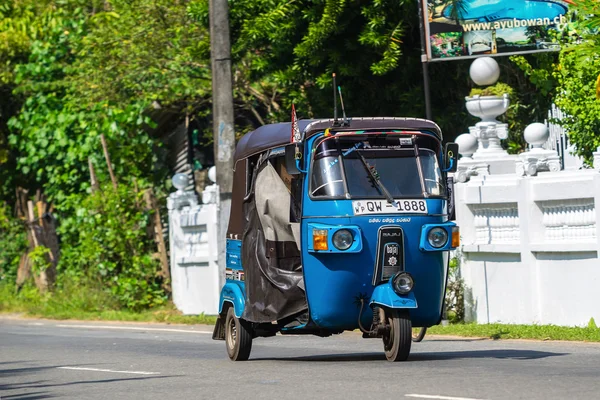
column 346, row 228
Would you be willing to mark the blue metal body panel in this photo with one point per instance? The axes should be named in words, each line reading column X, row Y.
column 233, row 292
column 335, row 283
column 384, row 295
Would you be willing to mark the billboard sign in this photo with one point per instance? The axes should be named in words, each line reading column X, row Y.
column 472, row 28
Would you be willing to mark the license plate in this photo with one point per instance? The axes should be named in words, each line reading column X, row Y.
column 365, row 207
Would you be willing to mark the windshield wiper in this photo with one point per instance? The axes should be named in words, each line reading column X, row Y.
column 376, row 178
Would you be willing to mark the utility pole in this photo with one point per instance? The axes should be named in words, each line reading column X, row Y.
column 223, row 133
column 424, row 61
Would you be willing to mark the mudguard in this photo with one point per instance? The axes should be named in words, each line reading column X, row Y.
column 233, row 293
column 384, row 295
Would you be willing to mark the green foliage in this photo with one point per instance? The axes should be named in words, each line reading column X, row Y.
column 55, row 133
column 540, row 73
column 455, row 293
column 534, row 87
column 108, row 243
column 498, row 89
column 13, row 244
column 505, row 331
column 39, row 259
column 577, row 100
column 569, row 79
column 285, row 52
column 577, row 73
column 147, row 49
column 86, row 302
column 65, row 300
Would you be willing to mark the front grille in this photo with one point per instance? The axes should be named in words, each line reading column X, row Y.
column 390, row 253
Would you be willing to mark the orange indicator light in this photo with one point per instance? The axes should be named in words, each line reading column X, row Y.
column 455, row 236
column 320, row 239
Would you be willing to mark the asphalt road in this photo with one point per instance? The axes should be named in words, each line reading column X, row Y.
column 83, row 360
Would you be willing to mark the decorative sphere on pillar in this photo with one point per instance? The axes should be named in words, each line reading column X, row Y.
column 467, row 144
column 180, row 181
column 536, row 134
column 212, row 174
column 484, row 71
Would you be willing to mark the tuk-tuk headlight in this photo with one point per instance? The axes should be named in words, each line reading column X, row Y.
column 437, row 237
column 402, row 283
column 342, row 239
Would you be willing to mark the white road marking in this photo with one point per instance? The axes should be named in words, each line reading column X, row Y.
column 110, row 370
column 429, row 396
column 133, row 328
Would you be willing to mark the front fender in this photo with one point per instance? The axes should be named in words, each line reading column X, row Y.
column 233, row 292
column 384, row 296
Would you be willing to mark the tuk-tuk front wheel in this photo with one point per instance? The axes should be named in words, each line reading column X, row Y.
column 238, row 337
column 398, row 338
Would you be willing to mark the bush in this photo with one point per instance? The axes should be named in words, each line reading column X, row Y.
column 455, row 293
column 13, row 244
column 105, row 241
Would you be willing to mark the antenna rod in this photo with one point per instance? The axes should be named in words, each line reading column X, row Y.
column 342, row 103
column 335, row 118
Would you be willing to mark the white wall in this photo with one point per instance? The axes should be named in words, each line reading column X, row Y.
column 193, row 254
column 530, row 247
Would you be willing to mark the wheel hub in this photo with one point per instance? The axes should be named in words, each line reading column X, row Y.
column 232, row 333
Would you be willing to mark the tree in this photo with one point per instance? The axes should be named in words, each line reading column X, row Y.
column 577, row 75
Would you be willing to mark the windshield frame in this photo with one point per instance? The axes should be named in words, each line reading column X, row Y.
column 367, row 135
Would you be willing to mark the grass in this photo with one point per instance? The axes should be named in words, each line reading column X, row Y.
column 96, row 305
column 502, row 331
column 87, row 304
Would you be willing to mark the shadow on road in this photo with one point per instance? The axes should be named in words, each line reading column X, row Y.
column 5, row 373
column 437, row 356
column 43, row 384
column 511, row 354
column 46, row 384
column 14, row 362
column 28, row 396
column 455, row 340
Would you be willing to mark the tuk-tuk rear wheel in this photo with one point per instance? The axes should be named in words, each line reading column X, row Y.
column 419, row 335
column 398, row 339
column 238, row 337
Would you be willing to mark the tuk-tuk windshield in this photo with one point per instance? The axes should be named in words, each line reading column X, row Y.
column 405, row 170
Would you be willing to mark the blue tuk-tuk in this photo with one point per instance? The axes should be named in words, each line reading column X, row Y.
column 347, row 228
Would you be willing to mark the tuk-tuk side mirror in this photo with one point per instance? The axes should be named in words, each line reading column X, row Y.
column 290, row 160
column 450, row 157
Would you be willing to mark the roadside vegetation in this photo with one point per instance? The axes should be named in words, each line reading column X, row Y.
column 89, row 303
column 87, row 85
column 504, row 331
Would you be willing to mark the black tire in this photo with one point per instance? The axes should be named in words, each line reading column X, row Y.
column 419, row 335
column 238, row 337
column 397, row 341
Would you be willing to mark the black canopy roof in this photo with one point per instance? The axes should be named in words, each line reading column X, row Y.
column 275, row 135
